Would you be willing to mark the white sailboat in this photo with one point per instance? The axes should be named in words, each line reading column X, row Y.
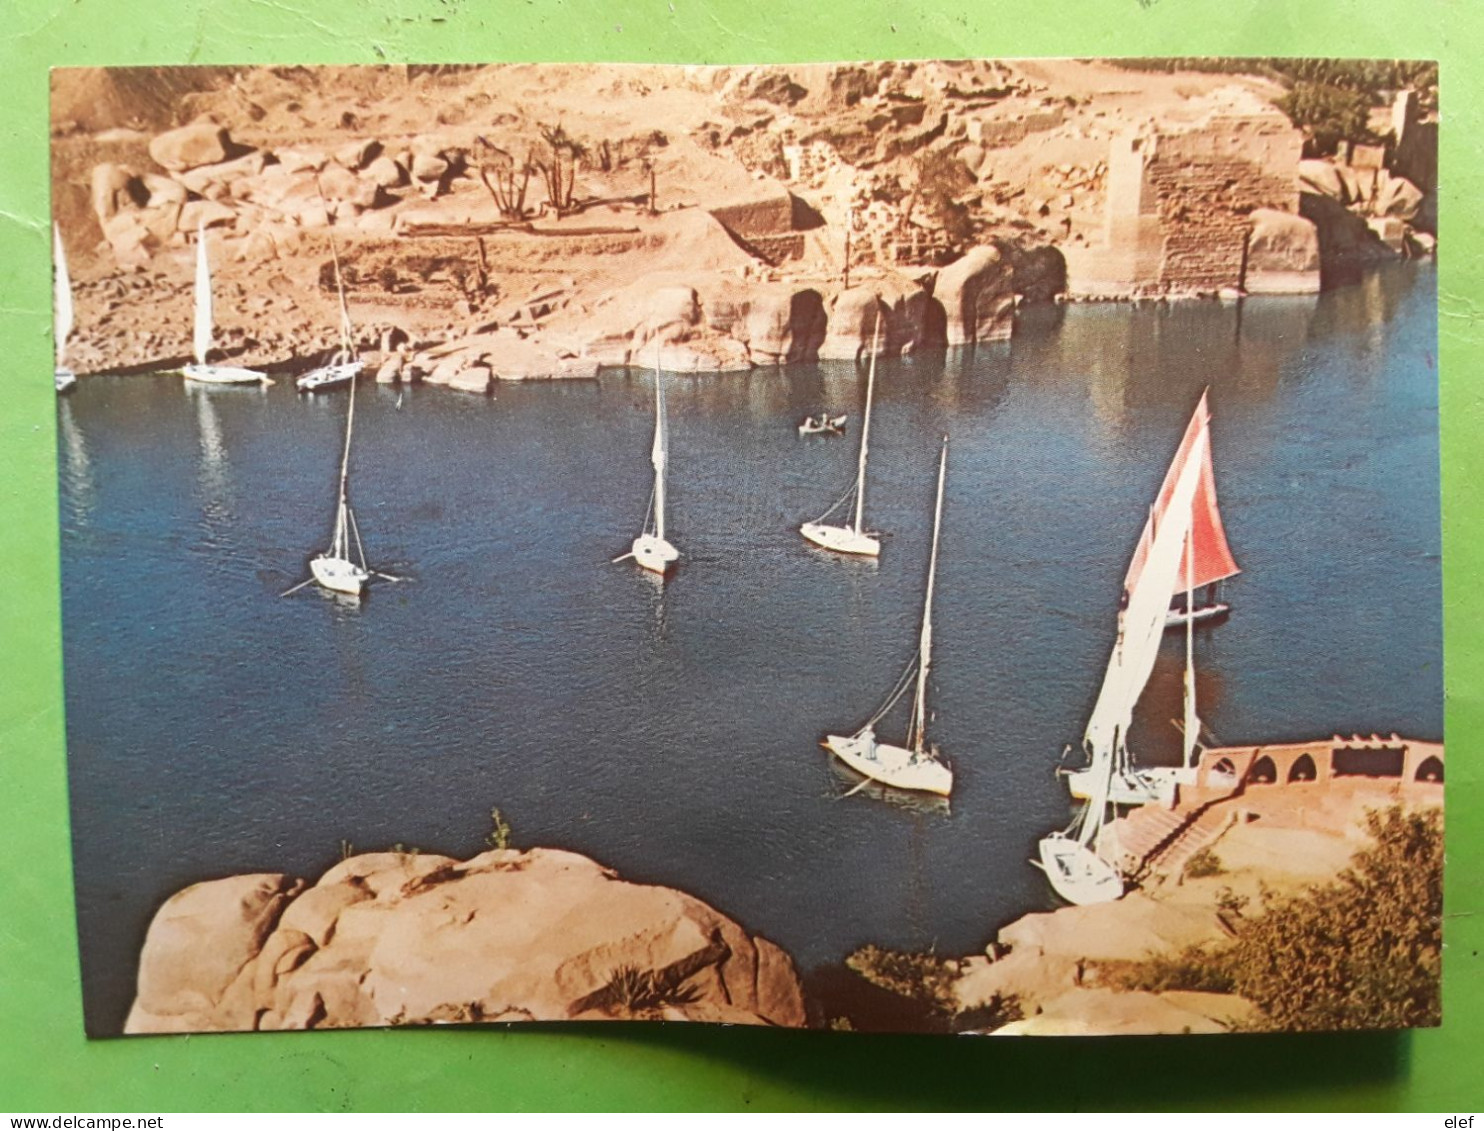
column 1076, row 860
column 650, row 549
column 345, row 366
column 334, row 568
column 62, row 315
column 1211, row 557
column 917, row 766
column 855, row 538
column 201, row 370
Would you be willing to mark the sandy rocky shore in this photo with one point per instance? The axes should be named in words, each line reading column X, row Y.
column 963, row 189
column 397, row 938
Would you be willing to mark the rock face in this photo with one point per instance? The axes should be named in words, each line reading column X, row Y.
column 1282, row 254
column 976, row 297
column 402, row 939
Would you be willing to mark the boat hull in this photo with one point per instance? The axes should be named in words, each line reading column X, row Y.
column 339, row 575
column 1153, row 786
column 1176, row 618
column 891, row 765
column 1078, row 874
column 654, row 554
column 842, row 539
column 65, row 379
column 329, row 376
column 225, row 375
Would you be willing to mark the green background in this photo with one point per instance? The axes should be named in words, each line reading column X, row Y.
column 46, row 1065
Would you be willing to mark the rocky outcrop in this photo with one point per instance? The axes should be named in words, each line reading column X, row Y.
column 1282, row 254
column 189, row 147
column 977, row 299
column 406, row 939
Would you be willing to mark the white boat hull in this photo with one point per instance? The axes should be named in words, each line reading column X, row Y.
column 654, row 554
column 338, row 574
column 1152, row 786
column 842, row 539
column 225, row 375
column 1078, row 874
column 66, row 380
column 891, row 765
column 1176, row 618
column 330, row 376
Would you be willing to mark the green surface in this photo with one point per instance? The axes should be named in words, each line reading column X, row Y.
column 45, row 1062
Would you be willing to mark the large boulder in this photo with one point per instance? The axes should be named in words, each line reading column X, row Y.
column 1282, row 254
column 198, row 945
column 1399, row 197
column 783, row 324
column 396, row 939
column 977, row 297
column 853, row 319
column 116, row 188
column 189, row 147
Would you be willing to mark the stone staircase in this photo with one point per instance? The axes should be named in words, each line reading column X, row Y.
column 1152, row 838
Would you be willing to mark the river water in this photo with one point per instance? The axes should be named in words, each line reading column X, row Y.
column 671, row 731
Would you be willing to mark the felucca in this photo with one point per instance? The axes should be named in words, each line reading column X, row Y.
column 917, row 766
column 1203, row 552
column 1076, row 860
column 650, row 550
column 201, row 370
column 855, row 538
column 1211, row 560
column 62, row 315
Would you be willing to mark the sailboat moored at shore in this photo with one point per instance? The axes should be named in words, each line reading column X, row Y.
column 917, row 766
column 345, row 366
column 1077, row 860
column 201, row 370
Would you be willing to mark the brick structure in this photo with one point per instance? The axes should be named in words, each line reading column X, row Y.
column 1180, row 194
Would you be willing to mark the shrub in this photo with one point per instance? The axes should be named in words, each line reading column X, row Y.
column 1202, row 864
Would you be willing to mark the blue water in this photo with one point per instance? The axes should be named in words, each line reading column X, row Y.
column 671, row 731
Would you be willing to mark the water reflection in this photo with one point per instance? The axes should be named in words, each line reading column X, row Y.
column 77, row 468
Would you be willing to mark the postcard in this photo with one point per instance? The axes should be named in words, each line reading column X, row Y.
column 943, row 546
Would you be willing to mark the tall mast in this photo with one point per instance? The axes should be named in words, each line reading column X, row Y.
column 345, row 330
column 201, row 338
column 925, row 645
column 860, row 475
column 341, row 548
column 658, row 456
column 1192, row 719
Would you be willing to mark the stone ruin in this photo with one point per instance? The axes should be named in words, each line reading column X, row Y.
column 1183, row 198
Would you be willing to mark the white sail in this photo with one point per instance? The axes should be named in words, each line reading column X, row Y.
column 860, row 475
column 1142, row 624
column 918, row 735
column 201, row 339
column 1192, row 725
column 659, row 454
column 62, row 312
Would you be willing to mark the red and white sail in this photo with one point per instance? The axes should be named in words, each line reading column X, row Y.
column 1210, row 557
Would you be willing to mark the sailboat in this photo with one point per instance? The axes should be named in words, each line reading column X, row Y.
column 1076, row 860
column 65, row 379
column 917, row 766
column 1134, row 785
column 650, row 549
column 345, row 366
column 201, row 370
column 333, row 568
column 1212, row 561
column 852, row 539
